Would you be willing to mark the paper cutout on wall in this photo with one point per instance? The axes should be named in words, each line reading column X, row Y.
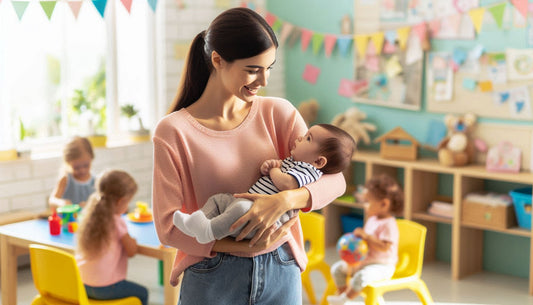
column 440, row 76
column 316, row 42
column 153, row 4
column 346, row 88
column 329, row 44
column 519, row 64
column 306, row 38
column 393, row 66
column 519, row 102
column 311, row 73
column 361, row 44
column 485, row 86
column 501, row 97
column 521, row 6
column 343, row 44
column 497, row 13
column 469, row 84
column 286, row 31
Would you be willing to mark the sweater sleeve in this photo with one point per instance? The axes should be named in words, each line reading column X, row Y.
column 168, row 195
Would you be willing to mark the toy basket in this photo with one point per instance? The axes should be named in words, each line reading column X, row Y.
column 522, row 205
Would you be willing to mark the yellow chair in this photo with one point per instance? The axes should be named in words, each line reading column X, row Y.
column 313, row 228
column 57, row 278
column 408, row 268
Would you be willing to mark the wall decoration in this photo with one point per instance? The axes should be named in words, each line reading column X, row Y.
column 520, row 64
column 311, row 74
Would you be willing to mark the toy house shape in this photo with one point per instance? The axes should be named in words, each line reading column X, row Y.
column 398, row 144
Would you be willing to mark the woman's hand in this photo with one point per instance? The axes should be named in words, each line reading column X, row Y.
column 262, row 216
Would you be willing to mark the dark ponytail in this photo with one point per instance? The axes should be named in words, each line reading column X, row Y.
column 236, row 33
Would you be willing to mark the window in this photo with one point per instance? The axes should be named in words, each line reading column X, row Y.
column 64, row 75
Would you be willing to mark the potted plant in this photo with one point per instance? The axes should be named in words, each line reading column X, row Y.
column 88, row 109
column 140, row 134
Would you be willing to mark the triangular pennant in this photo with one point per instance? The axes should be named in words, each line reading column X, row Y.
column 316, row 42
column 270, row 18
column 286, row 30
column 497, row 12
column 378, row 38
column 361, row 42
column 389, row 48
column 344, row 43
column 100, row 6
column 277, row 25
column 329, row 44
column 75, row 7
column 434, row 27
column 521, row 6
column 420, row 31
column 477, row 17
column 48, row 7
column 20, row 7
column 403, row 34
column 127, row 5
column 153, row 4
column 391, row 36
column 294, row 36
column 306, row 38
column 519, row 106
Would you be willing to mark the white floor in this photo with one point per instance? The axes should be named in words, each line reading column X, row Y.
column 483, row 288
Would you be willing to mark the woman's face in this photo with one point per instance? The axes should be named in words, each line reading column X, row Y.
column 244, row 77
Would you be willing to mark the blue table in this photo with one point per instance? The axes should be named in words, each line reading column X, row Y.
column 15, row 239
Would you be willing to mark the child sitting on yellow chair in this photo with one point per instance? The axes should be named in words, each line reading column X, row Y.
column 385, row 199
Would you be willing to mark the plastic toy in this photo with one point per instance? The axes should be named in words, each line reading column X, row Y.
column 141, row 213
column 68, row 213
column 352, row 249
column 54, row 222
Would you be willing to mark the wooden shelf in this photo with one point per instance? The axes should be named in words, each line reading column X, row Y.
column 421, row 186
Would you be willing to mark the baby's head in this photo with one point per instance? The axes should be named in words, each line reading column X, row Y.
column 384, row 195
column 78, row 155
column 327, row 147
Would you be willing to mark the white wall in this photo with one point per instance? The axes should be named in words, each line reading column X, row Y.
column 26, row 184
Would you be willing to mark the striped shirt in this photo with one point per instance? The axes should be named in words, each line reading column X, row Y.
column 303, row 172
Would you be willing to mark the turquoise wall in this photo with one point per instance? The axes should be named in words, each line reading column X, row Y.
column 324, row 16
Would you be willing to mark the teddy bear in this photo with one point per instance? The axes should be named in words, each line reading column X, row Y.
column 351, row 122
column 309, row 111
column 457, row 148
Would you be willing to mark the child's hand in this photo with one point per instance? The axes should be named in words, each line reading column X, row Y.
column 268, row 165
column 359, row 232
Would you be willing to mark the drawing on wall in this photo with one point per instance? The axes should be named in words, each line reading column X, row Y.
column 440, row 76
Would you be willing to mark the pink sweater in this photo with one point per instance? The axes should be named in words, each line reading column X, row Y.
column 192, row 162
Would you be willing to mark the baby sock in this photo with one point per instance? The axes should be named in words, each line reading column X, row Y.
column 200, row 226
column 337, row 299
column 179, row 222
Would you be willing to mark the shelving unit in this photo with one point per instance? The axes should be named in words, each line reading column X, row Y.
column 420, row 183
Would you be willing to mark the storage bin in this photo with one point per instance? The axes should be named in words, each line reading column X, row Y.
column 350, row 222
column 522, row 205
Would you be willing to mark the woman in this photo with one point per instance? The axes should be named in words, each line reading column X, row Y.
column 214, row 139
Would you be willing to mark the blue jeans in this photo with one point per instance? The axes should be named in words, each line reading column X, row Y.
column 269, row 279
column 118, row 290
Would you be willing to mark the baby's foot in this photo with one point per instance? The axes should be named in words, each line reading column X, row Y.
column 179, row 221
column 200, row 226
column 337, row 299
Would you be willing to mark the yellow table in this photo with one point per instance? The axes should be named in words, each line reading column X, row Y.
column 16, row 237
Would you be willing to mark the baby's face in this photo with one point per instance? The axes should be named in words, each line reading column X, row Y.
column 307, row 148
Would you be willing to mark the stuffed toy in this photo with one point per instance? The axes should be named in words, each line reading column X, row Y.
column 350, row 121
column 457, row 148
column 309, row 110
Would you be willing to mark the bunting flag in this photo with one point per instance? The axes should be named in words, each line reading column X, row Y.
column 153, row 4
column 100, row 6
column 497, row 12
column 270, row 19
column 286, row 31
column 434, row 27
column 329, row 44
column 521, row 6
column 127, row 5
column 343, row 44
column 48, row 7
column 20, row 7
column 316, row 42
column 420, row 30
column 306, row 38
column 378, row 38
column 361, row 42
column 391, row 36
column 75, row 7
column 477, row 17
column 403, row 35
column 276, row 26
